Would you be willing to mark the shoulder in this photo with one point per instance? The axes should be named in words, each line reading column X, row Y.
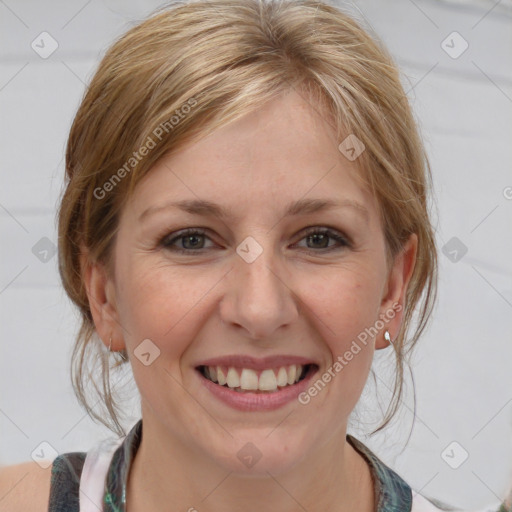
column 54, row 488
column 25, row 486
column 394, row 493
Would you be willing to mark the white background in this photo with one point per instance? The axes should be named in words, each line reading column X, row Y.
column 464, row 108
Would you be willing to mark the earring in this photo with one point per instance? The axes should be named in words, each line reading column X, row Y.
column 387, row 337
column 122, row 353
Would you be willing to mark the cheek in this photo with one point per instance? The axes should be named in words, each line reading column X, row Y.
column 345, row 306
column 158, row 302
column 346, row 302
column 163, row 305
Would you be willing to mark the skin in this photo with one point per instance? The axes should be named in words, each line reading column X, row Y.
column 295, row 298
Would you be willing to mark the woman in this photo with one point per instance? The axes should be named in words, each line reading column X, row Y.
column 245, row 221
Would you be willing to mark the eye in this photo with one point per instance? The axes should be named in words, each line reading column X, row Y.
column 192, row 240
column 320, row 237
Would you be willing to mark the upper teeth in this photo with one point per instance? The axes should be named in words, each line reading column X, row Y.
column 247, row 379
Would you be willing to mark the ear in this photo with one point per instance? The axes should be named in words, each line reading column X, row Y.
column 102, row 301
column 392, row 306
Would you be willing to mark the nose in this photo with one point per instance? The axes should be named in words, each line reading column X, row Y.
column 259, row 297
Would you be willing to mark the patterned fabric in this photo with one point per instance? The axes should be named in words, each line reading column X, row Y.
column 392, row 493
column 66, row 472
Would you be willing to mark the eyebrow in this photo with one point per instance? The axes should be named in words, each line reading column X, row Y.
column 299, row 207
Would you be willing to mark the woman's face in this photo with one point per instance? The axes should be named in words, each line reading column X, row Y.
column 254, row 293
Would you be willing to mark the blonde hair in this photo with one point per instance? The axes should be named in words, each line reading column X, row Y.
column 195, row 66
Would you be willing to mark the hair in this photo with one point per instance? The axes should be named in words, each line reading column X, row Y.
column 197, row 65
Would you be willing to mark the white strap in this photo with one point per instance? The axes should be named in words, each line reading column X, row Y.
column 421, row 504
column 490, row 508
column 94, row 473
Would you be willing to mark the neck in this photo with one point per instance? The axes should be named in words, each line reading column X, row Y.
column 166, row 472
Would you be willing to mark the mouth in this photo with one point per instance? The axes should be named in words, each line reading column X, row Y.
column 265, row 381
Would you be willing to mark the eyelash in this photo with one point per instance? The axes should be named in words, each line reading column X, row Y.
column 167, row 242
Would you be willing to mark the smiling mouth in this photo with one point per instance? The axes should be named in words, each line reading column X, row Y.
column 246, row 380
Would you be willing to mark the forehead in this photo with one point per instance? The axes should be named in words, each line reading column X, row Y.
column 267, row 159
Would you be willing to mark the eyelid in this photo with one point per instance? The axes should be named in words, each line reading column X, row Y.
column 333, row 232
column 342, row 240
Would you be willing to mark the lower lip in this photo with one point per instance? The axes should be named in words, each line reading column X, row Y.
column 265, row 401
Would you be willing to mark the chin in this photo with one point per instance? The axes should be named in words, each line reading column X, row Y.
column 258, row 454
